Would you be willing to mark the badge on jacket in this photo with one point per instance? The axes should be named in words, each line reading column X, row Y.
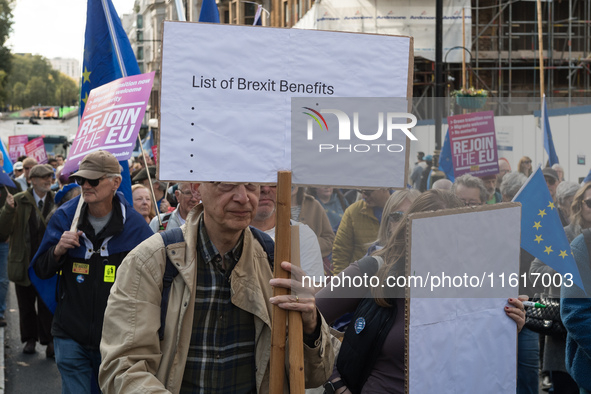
column 80, row 268
column 359, row 325
column 109, row 273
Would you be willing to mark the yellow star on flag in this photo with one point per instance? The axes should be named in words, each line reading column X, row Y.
column 537, row 225
column 548, row 250
column 551, row 205
column 538, row 239
column 86, row 75
column 563, row 253
column 542, row 212
column 85, row 99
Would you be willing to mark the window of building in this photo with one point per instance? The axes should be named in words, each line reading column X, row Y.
column 140, row 36
column 250, row 11
column 140, row 21
column 140, row 53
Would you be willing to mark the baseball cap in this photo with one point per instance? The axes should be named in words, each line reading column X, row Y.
column 40, row 171
column 18, row 165
column 98, row 164
column 550, row 172
column 143, row 174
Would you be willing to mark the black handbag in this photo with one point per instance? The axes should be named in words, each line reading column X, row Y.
column 546, row 320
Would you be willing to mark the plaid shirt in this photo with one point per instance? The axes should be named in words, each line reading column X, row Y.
column 221, row 355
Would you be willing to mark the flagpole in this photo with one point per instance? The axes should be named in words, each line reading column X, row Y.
column 109, row 20
column 541, row 59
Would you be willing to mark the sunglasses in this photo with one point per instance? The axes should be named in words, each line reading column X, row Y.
column 587, row 203
column 91, row 182
column 527, row 162
column 394, row 217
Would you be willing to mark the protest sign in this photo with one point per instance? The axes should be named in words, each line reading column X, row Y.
column 226, row 109
column 155, row 154
column 473, row 144
column 16, row 146
column 36, row 149
column 112, row 119
column 458, row 334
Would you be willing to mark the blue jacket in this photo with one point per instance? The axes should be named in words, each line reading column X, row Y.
column 575, row 310
column 86, row 272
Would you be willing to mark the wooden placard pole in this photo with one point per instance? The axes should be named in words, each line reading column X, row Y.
column 297, row 379
column 282, row 253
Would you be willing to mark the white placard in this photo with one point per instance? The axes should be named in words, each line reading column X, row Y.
column 456, row 343
column 226, row 94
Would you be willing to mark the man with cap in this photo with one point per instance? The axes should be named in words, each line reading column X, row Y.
column 24, row 179
column 4, row 282
column 87, row 260
column 17, row 169
column 159, row 187
column 552, row 181
column 23, row 219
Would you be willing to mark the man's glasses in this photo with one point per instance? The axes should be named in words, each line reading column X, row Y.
column 91, row 182
column 470, row 202
column 587, row 203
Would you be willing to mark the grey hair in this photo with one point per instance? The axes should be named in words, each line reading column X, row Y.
column 565, row 190
column 511, row 184
column 473, row 182
column 557, row 167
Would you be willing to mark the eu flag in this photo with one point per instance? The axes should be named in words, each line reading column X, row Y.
column 445, row 163
column 7, row 162
column 107, row 56
column 5, row 179
column 209, row 12
column 548, row 142
column 542, row 233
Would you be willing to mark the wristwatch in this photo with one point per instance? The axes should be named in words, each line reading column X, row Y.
column 332, row 387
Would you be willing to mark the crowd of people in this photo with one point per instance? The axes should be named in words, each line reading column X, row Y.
column 110, row 327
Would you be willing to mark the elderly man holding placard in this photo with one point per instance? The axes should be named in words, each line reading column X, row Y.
column 86, row 240
column 224, row 286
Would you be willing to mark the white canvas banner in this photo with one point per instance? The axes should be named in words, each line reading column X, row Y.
column 226, row 95
column 464, row 338
column 415, row 18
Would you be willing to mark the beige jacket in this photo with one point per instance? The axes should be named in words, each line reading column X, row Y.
column 133, row 357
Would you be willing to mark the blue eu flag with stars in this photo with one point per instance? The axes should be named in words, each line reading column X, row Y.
column 542, row 233
column 107, row 56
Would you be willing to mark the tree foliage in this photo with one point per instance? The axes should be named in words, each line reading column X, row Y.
column 5, row 26
column 34, row 82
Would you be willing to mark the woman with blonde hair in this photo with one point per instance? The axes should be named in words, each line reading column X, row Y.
column 396, row 206
column 379, row 367
column 142, row 202
column 524, row 166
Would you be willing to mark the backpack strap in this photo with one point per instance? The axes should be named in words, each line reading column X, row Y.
column 169, row 237
column 266, row 242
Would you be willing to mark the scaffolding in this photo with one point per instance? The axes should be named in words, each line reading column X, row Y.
column 504, row 55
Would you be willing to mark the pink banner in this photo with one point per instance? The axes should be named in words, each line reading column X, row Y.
column 473, row 144
column 155, row 154
column 112, row 119
column 36, row 149
column 16, row 146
